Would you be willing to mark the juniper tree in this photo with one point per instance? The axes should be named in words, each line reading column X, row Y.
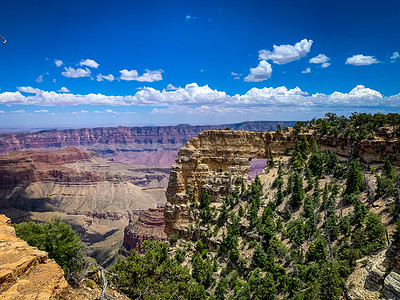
column 354, row 178
column 297, row 191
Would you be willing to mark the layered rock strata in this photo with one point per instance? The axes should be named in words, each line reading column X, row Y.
column 383, row 275
column 71, row 180
column 25, row 271
column 213, row 160
column 149, row 225
column 152, row 146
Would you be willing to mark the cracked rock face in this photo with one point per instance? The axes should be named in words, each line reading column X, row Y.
column 26, row 272
column 212, row 161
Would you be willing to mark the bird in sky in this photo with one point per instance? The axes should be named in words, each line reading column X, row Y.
column 3, row 40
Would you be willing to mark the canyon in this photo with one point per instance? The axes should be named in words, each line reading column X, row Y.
column 99, row 180
column 150, row 146
column 97, row 197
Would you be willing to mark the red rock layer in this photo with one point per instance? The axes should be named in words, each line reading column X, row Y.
column 149, row 226
column 34, row 166
column 139, row 136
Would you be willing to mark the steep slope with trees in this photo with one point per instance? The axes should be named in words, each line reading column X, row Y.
column 297, row 231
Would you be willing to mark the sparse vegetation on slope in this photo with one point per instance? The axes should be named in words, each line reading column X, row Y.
column 294, row 232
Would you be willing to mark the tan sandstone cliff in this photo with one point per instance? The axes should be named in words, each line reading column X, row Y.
column 25, row 271
column 213, row 160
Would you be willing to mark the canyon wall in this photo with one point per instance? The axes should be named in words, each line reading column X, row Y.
column 151, row 146
column 214, row 159
column 149, row 225
column 72, row 180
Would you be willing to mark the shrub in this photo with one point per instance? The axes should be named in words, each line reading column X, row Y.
column 156, row 273
column 173, row 239
column 58, row 239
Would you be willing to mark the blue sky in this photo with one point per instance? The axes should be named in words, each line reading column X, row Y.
column 102, row 63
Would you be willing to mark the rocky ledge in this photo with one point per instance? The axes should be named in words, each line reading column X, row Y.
column 25, row 271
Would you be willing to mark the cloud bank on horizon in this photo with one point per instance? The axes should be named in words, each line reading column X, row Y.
column 193, row 95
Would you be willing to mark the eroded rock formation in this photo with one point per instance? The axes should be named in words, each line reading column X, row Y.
column 149, row 225
column 214, row 160
column 25, row 271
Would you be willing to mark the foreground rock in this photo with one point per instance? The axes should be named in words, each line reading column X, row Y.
column 25, row 271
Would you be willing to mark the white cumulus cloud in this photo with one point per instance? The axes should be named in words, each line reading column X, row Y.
column 63, row 90
column 76, row 73
column 28, row 89
column 171, row 87
column 308, row 70
column 58, row 62
column 260, row 73
column 41, row 111
column 195, row 99
column 284, row 54
column 236, row 75
column 109, row 77
column 89, row 63
column 321, row 59
column 39, row 79
column 361, row 60
column 148, row 76
column 395, row 56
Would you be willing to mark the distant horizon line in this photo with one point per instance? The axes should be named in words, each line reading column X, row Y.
column 11, row 129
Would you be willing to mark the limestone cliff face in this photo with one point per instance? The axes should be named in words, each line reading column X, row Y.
column 25, row 271
column 382, row 276
column 148, row 226
column 213, row 160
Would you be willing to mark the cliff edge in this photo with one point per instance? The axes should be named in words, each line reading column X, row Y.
column 26, row 272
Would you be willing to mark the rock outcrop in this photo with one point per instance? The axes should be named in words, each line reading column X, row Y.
column 153, row 146
column 214, row 160
column 25, row 271
column 149, row 225
column 384, row 274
